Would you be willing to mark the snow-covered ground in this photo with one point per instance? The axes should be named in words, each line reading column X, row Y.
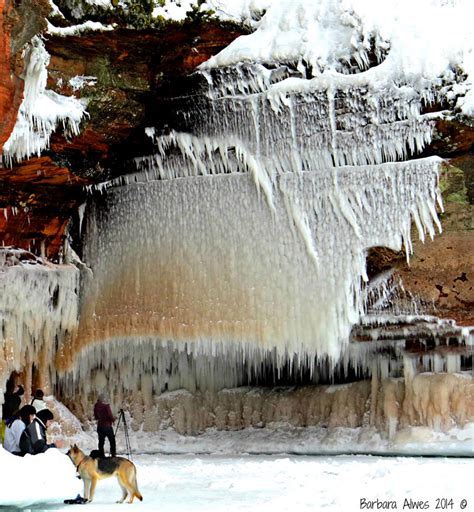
column 279, row 467
column 283, row 438
column 172, row 483
column 257, row 469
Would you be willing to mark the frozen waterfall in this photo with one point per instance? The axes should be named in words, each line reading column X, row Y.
column 248, row 228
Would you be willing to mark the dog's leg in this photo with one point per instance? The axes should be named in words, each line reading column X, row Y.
column 87, row 486
column 93, row 484
column 124, row 489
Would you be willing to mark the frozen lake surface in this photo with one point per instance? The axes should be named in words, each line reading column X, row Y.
column 179, row 483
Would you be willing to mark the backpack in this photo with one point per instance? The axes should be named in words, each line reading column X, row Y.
column 34, row 438
column 26, row 446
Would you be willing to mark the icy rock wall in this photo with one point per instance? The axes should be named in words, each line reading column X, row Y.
column 437, row 401
column 346, row 405
column 165, row 385
column 41, row 110
column 234, row 409
column 440, row 401
column 38, row 313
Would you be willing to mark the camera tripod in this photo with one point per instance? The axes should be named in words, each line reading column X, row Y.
column 121, row 419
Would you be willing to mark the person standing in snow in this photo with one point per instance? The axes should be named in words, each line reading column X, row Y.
column 37, row 402
column 15, row 429
column 33, row 440
column 105, row 419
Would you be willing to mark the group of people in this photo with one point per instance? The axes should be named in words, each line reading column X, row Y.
column 24, row 429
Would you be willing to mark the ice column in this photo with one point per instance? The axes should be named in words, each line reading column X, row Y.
column 38, row 313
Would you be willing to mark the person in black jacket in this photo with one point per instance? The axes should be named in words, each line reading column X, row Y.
column 11, row 404
column 11, row 400
column 33, row 440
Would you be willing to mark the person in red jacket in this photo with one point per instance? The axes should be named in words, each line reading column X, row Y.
column 105, row 419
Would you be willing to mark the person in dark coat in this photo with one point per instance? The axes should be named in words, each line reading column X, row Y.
column 11, row 404
column 33, row 440
column 12, row 400
column 105, row 419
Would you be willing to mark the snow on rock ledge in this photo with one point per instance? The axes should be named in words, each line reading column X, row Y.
column 41, row 110
column 347, row 36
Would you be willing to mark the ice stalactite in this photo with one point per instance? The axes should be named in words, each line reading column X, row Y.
column 41, row 110
column 38, row 312
column 169, row 366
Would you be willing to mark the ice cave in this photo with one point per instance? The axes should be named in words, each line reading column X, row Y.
column 233, row 215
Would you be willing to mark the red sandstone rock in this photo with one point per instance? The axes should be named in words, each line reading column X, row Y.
column 11, row 86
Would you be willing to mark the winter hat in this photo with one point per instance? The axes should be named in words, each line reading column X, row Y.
column 39, row 394
column 104, row 398
column 44, row 415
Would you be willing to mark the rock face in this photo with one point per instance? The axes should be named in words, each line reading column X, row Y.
column 441, row 271
column 19, row 22
column 131, row 70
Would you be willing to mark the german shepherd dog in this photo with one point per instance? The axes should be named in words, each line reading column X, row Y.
column 91, row 470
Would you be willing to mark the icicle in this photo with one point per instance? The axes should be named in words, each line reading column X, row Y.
column 80, row 212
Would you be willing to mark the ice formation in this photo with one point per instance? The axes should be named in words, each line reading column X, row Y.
column 41, row 110
column 202, row 277
column 38, row 312
column 388, row 404
column 236, row 253
column 87, row 26
column 315, row 170
column 350, row 36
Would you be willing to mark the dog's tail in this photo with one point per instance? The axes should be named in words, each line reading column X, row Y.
column 136, row 492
